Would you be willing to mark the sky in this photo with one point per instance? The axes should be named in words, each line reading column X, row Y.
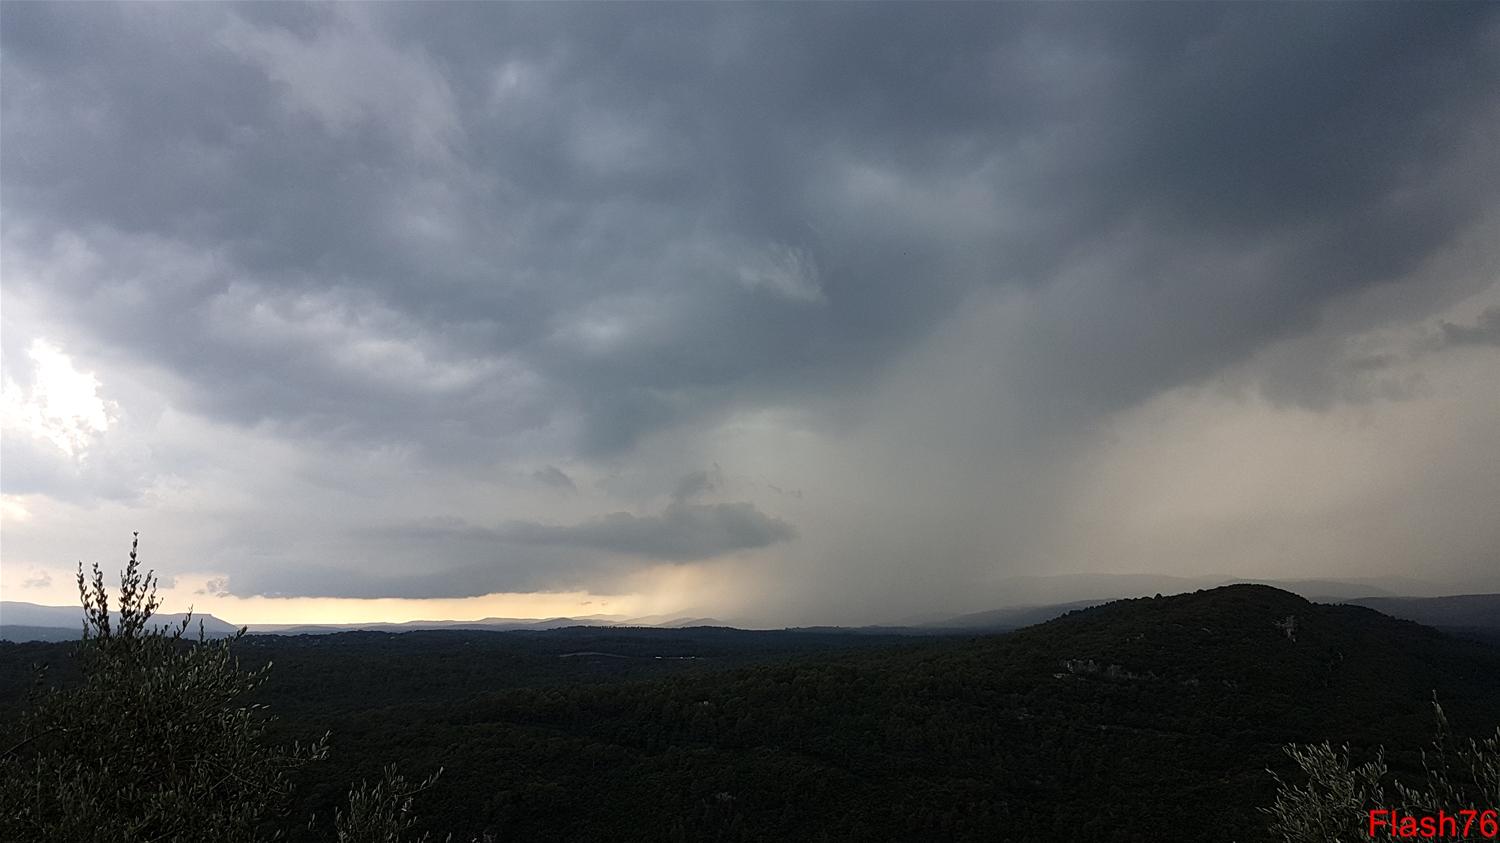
column 780, row 314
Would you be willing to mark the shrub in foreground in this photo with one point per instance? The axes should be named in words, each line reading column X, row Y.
column 1334, row 804
column 158, row 742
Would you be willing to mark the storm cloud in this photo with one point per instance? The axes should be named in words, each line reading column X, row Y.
column 1485, row 331
column 342, row 268
column 681, row 532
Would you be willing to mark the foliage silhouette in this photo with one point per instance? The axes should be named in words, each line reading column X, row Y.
column 1334, row 804
column 156, row 742
column 159, row 740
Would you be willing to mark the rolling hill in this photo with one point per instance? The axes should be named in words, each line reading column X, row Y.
column 1148, row 719
column 1145, row 719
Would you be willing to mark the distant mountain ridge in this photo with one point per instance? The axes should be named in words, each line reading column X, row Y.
column 490, row 624
column 1476, row 611
column 21, row 621
column 1013, row 617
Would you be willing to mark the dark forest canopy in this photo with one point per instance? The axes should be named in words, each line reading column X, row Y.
column 1151, row 719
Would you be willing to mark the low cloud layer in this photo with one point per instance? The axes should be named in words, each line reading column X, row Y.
column 1484, row 331
column 593, row 295
column 683, row 532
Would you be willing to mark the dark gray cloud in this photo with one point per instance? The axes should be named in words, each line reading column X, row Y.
column 555, row 477
column 696, row 483
column 485, row 236
column 466, row 559
column 682, row 532
column 218, row 587
column 1485, row 331
column 635, row 216
column 485, row 567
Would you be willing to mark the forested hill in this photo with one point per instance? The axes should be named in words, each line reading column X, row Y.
column 1150, row 720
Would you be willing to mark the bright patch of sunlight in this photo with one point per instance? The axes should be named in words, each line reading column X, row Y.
column 61, row 405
